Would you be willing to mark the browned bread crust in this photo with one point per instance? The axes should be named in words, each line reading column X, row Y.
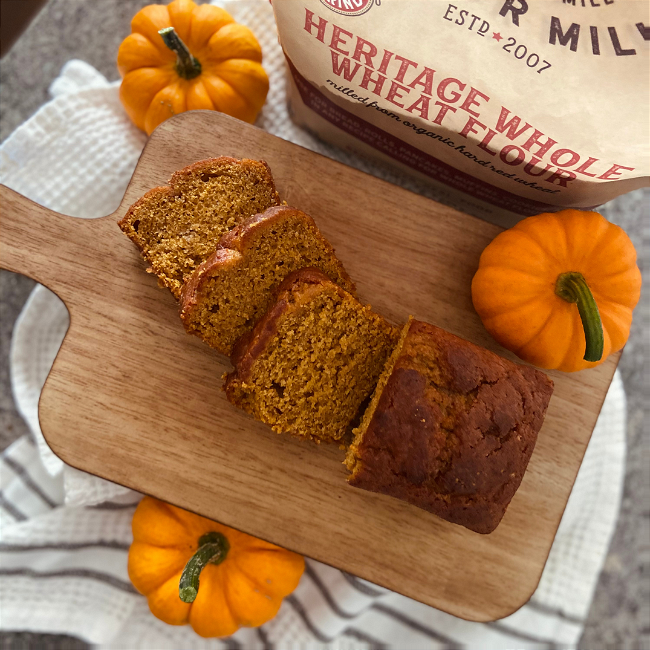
column 203, row 170
column 239, row 237
column 452, row 430
column 233, row 255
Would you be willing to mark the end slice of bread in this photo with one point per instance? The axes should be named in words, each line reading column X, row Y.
column 450, row 428
column 233, row 288
column 178, row 226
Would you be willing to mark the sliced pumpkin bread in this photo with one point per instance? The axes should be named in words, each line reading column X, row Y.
column 233, row 288
column 178, row 226
column 312, row 360
column 450, row 428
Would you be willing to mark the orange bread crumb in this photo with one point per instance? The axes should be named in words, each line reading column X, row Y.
column 178, row 226
column 312, row 360
column 233, row 288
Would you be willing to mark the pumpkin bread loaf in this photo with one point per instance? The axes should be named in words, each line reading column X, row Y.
column 450, row 428
column 177, row 227
column 233, row 288
column 312, row 360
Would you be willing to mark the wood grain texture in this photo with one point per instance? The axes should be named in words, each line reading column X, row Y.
column 135, row 400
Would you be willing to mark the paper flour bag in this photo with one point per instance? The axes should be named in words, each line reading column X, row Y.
column 510, row 107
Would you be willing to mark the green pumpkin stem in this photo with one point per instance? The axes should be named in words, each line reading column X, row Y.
column 213, row 548
column 572, row 287
column 186, row 65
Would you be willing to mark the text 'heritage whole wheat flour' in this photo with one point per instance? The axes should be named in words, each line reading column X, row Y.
column 522, row 107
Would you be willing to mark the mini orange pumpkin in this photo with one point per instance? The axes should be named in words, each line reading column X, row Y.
column 184, row 57
column 558, row 290
column 242, row 579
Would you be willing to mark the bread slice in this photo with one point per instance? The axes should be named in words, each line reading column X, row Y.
column 233, row 288
column 312, row 360
column 450, row 428
column 178, row 226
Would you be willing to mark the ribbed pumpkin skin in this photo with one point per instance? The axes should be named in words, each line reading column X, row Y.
column 514, row 288
column 245, row 590
column 232, row 79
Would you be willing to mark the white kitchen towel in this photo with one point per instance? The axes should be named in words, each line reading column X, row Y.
column 63, row 570
column 65, row 534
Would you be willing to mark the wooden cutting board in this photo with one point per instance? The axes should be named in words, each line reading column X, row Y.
column 134, row 399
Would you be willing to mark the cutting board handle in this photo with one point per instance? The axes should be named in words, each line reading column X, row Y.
column 36, row 241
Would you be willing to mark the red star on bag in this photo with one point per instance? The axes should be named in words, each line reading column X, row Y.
column 496, row 36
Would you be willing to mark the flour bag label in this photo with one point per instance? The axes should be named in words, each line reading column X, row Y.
column 509, row 107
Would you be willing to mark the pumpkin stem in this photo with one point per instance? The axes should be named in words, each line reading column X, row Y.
column 572, row 287
column 186, row 65
column 213, row 548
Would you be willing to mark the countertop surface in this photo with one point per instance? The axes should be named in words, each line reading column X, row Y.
column 620, row 613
